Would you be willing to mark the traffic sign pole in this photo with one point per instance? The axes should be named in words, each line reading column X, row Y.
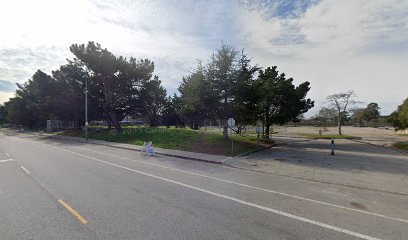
column 86, row 109
column 231, row 123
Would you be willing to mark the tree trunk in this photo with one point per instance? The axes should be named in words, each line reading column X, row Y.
column 76, row 121
column 108, row 118
column 339, row 126
column 109, row 123
column 115, row 122
column 267, row 131
column 268, row 126
column 225, row 132
column 263, row 127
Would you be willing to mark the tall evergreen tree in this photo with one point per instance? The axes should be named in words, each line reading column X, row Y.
column 118, row 80
column 280, row 101
column 197, row 99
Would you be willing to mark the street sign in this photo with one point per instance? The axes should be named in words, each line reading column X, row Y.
column 258, row 130
column 231, row 122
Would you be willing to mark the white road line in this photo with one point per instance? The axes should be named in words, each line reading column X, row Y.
column 8, row 155
column 258, row 188
column 25, row 170
column 6, row 160
column 302, row 219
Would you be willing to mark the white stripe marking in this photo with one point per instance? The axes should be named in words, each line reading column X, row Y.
column 25, row 170
column 6, row 160
column 302, row 219
column 8, row 155
column 257, row 188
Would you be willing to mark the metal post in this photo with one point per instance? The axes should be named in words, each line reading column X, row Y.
column 232, row 144
column 86, row 109
column 258, row 139
column 332, row 146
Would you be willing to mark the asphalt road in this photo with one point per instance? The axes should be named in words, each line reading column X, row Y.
column 56, row 189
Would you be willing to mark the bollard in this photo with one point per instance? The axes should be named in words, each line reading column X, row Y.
column 332, row 146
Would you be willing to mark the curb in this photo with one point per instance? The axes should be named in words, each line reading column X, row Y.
column 256, row 150
column 398, row 150
column 102, row 143
column 391, row 147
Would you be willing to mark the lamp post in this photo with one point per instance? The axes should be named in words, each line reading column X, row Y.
column 86, row 109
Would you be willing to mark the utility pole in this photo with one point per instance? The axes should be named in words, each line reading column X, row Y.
column 86, row 109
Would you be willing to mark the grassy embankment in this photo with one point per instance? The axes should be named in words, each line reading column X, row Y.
column 402, row 145
column 175, row 138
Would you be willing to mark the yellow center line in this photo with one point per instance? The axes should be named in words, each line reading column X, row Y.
column 73, row 212
column 25, row 170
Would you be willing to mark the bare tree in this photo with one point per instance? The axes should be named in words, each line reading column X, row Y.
column 325, row 116
column 341, row 102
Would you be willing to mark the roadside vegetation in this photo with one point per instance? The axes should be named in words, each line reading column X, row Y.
column 125, row 91
column 402, row 145
column 399, row 118
column 185, row 139
column 226, row 85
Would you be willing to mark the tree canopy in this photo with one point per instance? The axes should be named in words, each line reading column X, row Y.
column 117, row 87
column 120, row 82
column 280, row 101
column 341, row 102
column 226, row 85
column 399, row 118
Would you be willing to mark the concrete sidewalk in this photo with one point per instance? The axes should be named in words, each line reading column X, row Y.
column 355, row 164
column 204, row 157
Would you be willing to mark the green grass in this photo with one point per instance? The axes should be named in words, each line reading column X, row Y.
column 402, row 145
column 174, row 138
column 329, row 136
column 403, row 135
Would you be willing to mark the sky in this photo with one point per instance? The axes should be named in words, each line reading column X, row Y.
column 359, row 45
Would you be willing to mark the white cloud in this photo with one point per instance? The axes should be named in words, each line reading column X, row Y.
column 5, row 96
column 337, row 46
column 40, row 32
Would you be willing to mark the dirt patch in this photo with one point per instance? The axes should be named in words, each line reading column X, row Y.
column 361, row 132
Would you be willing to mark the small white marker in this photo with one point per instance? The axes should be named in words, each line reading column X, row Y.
column 25, row 170
column 8, row 155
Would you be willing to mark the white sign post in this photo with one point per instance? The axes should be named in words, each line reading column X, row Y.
column 231, row 124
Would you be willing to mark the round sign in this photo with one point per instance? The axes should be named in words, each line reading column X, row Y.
column 231, row 122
